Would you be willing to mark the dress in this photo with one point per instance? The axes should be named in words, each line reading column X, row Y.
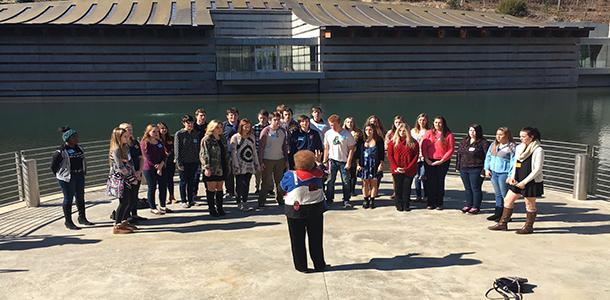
column 369, row 163
column 532, row 189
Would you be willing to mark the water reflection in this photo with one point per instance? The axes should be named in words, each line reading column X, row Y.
column 578, row 115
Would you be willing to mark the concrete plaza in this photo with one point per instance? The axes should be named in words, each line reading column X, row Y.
column 375, row 254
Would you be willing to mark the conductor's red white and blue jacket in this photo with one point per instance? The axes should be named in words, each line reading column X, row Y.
column 304, row 194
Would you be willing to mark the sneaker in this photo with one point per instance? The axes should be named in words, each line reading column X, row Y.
column 346, row 204
column 466, row 209
column 155, row 211
column 166, row 210
column 240, row 206
column 474, row 211
column 71, row 226
column 185, row 205
column 439, row 208
column 192, row 203
column 228, row 197
column 430, row 207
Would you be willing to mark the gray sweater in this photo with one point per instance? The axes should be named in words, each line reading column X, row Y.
column 186, row 146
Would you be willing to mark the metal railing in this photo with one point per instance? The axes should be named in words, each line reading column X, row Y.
column 559, row 161
column 559, row 168
column 600, row 185
column 9, row 177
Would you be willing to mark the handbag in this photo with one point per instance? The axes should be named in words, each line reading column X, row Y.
column 508, row 287
column 115, row 185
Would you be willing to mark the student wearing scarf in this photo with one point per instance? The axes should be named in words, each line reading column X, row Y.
column 304, row 210
column 525, row 179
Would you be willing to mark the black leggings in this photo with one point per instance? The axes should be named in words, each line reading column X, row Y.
column 402, row 187
column 126, row 203
column 242, row 187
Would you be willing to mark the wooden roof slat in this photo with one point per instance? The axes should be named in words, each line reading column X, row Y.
column 257, row 4
column 11, row 11
column 99, row 13
column 340, row 19
column 299, row 9
column 366, row 12
column 75, row 14
column 447, row 19
column 275, row 4
column 352, row 13
column 183, row 13
column 161, row 14
column 141, row 14
column 455, row 17
column 120, row 13
column 239, row 4
column 409, row 15
column 427, row 19
column 222, row 4
column 35, row 9
column 52, row 14
column 203, row 17
column 394, row 15
column 373, row 12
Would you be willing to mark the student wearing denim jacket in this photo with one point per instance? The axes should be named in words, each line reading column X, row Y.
column 498, row 161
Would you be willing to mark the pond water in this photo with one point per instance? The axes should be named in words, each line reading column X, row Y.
column 576, row 115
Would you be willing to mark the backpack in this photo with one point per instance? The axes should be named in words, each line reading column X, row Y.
column 508, row 287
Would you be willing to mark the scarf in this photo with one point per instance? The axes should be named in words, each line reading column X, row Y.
column 529, row 150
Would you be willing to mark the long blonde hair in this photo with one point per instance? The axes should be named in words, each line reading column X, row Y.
column 149, row 128
column 115, row 142
column 409, row 141
column 211, row 127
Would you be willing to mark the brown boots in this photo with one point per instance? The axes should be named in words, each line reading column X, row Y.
column 506, row 214
column 529, row 223
column 503, row 223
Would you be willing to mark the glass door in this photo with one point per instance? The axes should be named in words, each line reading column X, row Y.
column 266, row 59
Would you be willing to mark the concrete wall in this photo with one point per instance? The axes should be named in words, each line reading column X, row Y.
column 412, row 63
column 78, row 61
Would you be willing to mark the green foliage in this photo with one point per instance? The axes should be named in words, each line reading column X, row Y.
column 453, row 4
column 517, row 8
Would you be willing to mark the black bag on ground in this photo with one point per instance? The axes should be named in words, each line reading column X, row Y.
column 508, row 287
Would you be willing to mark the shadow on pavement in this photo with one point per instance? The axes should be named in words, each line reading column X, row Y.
column 2, row 271
column 409, row 262
column 208, row 227
column 35, row 242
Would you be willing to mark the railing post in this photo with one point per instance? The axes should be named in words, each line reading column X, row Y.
column 30, row 176
column 582, row 176
column 19, row 172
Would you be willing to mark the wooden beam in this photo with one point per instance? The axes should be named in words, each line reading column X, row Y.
column 463, row 33
column 440, row 33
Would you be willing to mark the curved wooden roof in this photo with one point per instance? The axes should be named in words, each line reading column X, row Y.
column 329, row 13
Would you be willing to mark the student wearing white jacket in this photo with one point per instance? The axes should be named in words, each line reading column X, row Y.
column 525, row 179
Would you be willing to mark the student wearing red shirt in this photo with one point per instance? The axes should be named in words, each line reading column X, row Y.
column 437, row 148
column 403, row 153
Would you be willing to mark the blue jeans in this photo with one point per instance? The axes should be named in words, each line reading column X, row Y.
column 419, row 182
column 471, row 177
column 73, row 189
column 345, row 180
column 153, row 179
column 498, row 180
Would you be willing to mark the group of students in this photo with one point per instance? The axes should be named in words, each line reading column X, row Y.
column 229, row 153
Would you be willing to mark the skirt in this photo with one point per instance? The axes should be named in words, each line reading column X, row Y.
column 531, row 190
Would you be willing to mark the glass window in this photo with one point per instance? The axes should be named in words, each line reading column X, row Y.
column 285, row 58
column 594, row 56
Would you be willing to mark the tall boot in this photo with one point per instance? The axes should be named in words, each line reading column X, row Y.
column 497, row 214
column 372, row 202
column 219, row 202
column 399, row 205
column 68, row 218
column 528, row 228
column 502, row 224
column 211, row 199
column 82, row 217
